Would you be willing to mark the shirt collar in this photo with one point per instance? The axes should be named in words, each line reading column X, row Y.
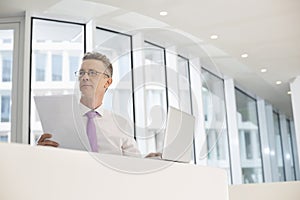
column 84, row 109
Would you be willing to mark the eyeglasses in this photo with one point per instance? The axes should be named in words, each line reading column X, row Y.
column 90, row 73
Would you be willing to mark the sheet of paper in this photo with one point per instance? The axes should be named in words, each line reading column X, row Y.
column 59, row 116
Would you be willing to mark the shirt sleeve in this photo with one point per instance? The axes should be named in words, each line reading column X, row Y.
column 129, row 148
column 124, row 136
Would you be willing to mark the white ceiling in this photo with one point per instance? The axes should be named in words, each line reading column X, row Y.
column 267, row 30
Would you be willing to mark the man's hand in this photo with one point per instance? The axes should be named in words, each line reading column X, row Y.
column 43, row 140
column 151, row 155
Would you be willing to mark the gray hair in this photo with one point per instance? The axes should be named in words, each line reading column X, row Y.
column 98, row 56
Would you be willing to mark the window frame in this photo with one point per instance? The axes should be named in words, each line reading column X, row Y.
column 17, row 79
column 254, row 98
column 30, row 52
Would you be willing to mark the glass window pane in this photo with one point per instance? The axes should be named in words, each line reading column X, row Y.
column 249, row 139
column 55, row 46
column 151, row 113
column 74, row 62
column 6, row 65
column 117, row 47
column 40, row 63
column 213, row 98
column 56, row 67
column 278, row 147
column 5, row 108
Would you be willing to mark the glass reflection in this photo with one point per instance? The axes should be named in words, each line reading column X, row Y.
column 213, row 98
column 249, row 140
column 278, row 147
column 151, row 113
column 290, row 155
column 117, row 47
column 57, row 49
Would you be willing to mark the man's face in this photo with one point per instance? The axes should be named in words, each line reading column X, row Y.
column 97, row 82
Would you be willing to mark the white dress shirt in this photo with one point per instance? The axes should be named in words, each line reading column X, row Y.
column 113, row 132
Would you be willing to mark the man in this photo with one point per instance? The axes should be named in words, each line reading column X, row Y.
column 105, row 136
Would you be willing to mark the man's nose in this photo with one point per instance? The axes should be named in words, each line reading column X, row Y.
column 85, row 77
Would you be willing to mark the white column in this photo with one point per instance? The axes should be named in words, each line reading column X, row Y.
column 25, row 82
column 272, row 143
column 233, row 132
column 16, row 81
column 144, row 142
column 173, row 91
column 263, row 132
column 65, row 66
column 255, row 145
column 200, row 135
column 295, row 96
column 90, row 35
column 242, row 146
column 48, row 70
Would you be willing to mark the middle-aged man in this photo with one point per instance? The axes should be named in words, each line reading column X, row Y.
column 105, row 136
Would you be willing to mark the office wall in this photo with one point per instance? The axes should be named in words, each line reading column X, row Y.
column 266, row 191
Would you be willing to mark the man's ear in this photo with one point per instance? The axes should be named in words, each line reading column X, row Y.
column 108, row 83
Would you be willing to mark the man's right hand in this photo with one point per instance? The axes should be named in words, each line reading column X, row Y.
column 44, row 140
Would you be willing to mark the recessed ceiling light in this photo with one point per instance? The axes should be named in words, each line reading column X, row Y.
column 289, row 92
column 263, row 70
column 163, row 13
column 244, row 55
column 214, row 37
column 278, row 82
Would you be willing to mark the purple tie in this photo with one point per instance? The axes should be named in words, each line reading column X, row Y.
column 91, row 130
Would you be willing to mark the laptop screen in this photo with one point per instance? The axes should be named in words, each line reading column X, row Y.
column 179, row 136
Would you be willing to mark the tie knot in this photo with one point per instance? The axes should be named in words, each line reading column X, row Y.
column 91, row 114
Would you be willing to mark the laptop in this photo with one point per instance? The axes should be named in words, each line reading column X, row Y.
column 179, row 135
